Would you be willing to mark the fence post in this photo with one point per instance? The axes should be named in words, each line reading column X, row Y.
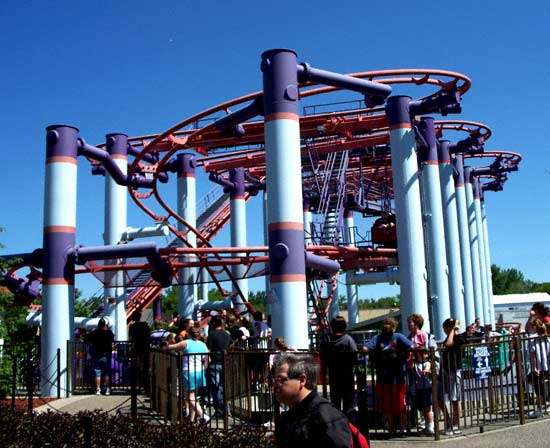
column 224, row 375
column 70, row 368
column 177, row 385
column 133, row 386
column 58, row 360
column 519, row 377
column 435, row 391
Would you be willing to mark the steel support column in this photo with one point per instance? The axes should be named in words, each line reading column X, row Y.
column 58, row 272
column 115, row 226
column 452, row 238
column 464, row 234
column 435, row 230
column 410, row 237
column 187, row 209
column 284, row 183
column 474, row 242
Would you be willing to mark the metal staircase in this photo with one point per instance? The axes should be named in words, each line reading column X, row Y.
column 319, row 303
column 329, row 186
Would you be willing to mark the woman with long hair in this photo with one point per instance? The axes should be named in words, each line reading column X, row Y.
column 195, row 361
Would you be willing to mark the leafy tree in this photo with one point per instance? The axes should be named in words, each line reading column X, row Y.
column 542, row 287
column 257, row 299
column 85, row 307
column 509, row 281
column 170, row 301
column 383, row 302
column 17, row 336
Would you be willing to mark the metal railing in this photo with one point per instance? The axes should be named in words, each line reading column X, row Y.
column 504, row 380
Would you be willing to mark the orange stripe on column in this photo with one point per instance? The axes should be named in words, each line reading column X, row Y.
column 56, row 281
column 284, row 278
column 400, row 126
column 61, row 159
column 282, row 116
column 59, row 229
column 288, row 225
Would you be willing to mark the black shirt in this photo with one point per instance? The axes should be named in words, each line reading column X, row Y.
column 140, row 333
column 218, row 341
column 101, row 342
column 314, row 422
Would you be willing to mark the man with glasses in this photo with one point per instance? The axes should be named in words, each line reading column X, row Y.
column 311, row 420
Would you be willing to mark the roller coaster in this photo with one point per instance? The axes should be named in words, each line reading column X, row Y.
column 352, row 148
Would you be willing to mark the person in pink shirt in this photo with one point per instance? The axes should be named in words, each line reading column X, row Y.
column 419, row 339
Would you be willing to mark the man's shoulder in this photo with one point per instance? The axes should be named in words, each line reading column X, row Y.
column 324, row 408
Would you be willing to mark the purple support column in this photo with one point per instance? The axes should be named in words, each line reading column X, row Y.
column 59, row 236
column 474, row 241
column 115, row 226
column 238, row 225
column 406, row 185
column 284, row 183
column 464, row 234
column 438, row 285
column 481, row 247
column 187, row 209
column 452, row 239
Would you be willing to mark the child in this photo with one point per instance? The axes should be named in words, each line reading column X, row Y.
column 422, row 387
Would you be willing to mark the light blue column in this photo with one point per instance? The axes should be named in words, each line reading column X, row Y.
column 187, row 209
column 410, row 237
column 452, row 236
column 238, row 225
column 481, row 248
column 115, row 226
column 488, row 262
column 287, row 271
column 352, row 290
column 266, row 242
column 464, row 234
column 435, row 231
column 58, row 273
column 474, row 243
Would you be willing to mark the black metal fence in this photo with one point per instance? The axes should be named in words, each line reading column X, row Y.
column 501, row 381
column 486, row 383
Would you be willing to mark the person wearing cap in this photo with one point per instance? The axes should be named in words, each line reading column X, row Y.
column 101, row 342
column 451, row 373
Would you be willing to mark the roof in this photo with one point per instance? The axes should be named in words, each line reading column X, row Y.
column 516, row 299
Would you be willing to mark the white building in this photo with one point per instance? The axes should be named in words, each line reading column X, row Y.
column 515, row 307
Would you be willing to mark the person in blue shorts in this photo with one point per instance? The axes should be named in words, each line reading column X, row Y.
column 101, row 342
column 195, row 361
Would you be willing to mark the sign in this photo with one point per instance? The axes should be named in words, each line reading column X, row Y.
column 482, row 362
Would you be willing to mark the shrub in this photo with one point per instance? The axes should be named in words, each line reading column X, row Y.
column 98, row 429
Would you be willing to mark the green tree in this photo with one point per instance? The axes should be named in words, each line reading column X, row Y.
column 541, row 287
column 509, row 281
column 257, row 299
column 383, row 302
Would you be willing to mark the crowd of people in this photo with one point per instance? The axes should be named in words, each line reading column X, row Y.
column 405, row 367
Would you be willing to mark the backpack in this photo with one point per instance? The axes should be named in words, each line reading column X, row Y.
column 358, row 440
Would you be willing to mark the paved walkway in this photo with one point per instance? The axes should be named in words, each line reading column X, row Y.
column 532, row 434
column 112, row 404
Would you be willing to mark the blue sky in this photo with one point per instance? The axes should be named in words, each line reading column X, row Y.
column 139, row 67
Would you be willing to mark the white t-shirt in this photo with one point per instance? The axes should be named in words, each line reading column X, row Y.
column 540, row 347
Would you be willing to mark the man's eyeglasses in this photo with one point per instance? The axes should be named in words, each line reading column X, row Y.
column 283, row 379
